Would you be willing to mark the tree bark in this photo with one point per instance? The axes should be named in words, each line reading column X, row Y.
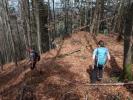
column 5, row 5
column 95, row 18
column 38, row 25
column 128, row 36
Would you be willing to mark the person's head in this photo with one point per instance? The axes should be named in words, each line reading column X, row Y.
column 101, row 43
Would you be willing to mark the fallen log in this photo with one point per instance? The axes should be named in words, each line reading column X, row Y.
column 110, row 84
column 69, row 53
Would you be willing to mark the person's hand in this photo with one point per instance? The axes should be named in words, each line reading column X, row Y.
column 92, row 64
column 109, row 60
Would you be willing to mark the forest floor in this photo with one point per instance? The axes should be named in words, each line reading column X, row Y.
column 66, row 73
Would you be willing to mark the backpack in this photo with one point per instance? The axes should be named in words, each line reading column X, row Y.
column 101, row 55
column 36, row 56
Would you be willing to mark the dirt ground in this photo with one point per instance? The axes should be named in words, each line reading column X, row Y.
column 66, row 73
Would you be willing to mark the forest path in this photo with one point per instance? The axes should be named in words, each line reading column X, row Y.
column 64, row 71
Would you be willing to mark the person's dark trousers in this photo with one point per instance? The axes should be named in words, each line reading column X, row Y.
column 33, row 65
column 100, row 72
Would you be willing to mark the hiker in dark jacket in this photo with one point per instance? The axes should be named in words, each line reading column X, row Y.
column 34, row 57
column 100, row 57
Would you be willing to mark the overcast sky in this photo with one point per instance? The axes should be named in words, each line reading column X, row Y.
column 14, row 3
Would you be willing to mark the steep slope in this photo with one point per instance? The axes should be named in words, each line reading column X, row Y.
column 65, row 73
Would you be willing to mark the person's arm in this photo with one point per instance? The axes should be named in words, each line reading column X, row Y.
column 94, row 55
column 108, row 55
column 94, row 58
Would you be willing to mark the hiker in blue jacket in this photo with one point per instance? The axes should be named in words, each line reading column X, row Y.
column 100, row 57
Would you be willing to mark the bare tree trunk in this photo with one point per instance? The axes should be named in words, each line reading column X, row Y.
column 24, row 26
column 66, row 15
column 95, row 17
column 6, row 40
column 5, row 5
column 19, row 52
column 26, row 17
column 49, row 32
column 118, row 21
column 128, row 37
column 54, row 16
column 132, row 54
column 98, row 15
column 28, row 22
column 38, row 25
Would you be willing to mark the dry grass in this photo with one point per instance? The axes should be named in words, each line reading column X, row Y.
column 64, row 78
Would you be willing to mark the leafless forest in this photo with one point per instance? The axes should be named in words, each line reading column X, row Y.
column 45, row 24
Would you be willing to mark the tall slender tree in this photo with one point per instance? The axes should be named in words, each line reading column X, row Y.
column 128, row 43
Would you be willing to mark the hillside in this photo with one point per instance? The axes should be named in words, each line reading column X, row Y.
column 66, row 73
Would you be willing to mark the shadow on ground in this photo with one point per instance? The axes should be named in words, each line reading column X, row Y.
column 92, row 74
column 14, row 73
column 113, row 69
column 50, row 89
column 59, row 89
